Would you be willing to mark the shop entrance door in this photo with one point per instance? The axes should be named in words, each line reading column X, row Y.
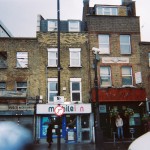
column 85, row 128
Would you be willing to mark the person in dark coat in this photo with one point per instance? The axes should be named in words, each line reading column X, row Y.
column 49, row 135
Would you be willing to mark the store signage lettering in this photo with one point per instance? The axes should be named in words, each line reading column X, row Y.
column 21, row 107
column 68, row 108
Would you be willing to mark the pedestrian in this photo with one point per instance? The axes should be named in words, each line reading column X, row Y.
column 49, row 135
column 119, row 125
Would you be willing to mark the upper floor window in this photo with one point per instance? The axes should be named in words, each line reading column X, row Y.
column 21, row 86
column 22, row 59
column 74, row 26
column 101, row 10
column 103, row 41
column 3, row 59
column 52, row 88
column 75, row 88
column 2, row 86
column 52, row 57
column 52, row 25
column 75, row 57
column 105, row 76
column 127, row 76
column 125, row 45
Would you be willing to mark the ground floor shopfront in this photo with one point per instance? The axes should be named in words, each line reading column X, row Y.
column 76, row 124
column 129, row 102
column 132, row 121
column 20, row 114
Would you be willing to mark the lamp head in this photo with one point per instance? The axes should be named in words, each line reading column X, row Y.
column 95, row 50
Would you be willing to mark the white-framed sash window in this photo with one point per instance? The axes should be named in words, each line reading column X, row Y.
column 104, row 46
column 125, row 45
column 105, row 77
column 52, row 89
column 75, row 89
column 21, row 86
column 52, row 57
column 22, row 60
column 52, row 25
column 74, row 25
column 127, row 79
column 75, row 57
column 104, row 10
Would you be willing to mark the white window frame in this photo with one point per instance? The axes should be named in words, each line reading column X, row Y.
column 52, row 80
column 74, row 58
column 105, row 75
column 102, row 10
column 52, row 25
column 128, row 44
column 127, row 75
column 54, row 59
column 104, row 46
column 75, row 80
column 22, row 60
column 74, row 26
column 21, row 88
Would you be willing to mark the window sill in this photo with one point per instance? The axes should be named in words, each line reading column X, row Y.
column 75, row 66
column 51, row 66
column 21, row 68
column 109, row 86
column 130, row 86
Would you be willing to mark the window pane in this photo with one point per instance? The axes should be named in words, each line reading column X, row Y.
column 125, row 44
column 125, row 49
column 103, row 43
column 99, row 11
column 106, row 11
column 104, row 71
column 52, row 58
column 104, row 38
column 114, row 11
column 105, row 81
column 51, row 96
column 125, row 39
column 75, row 86
column 75, row 54
column 21, row 84
column 53, row 86
column 22, row 59
column 74, row 26
column 75, row 96
column 53, row 55
column 2, row 85
column 127, row 80
column 75, row 58
column 126, row 70
column 52, row 25
column 3, row 59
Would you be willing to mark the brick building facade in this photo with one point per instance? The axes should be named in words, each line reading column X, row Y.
column 115, row 31
column 29, row 73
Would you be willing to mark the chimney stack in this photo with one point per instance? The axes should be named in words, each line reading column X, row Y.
column 85, row 9
column 126, row 2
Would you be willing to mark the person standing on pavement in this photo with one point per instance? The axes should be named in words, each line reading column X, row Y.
column 49, row 135
column 119, row 125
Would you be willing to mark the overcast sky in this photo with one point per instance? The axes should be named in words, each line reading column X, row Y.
column 20, row 16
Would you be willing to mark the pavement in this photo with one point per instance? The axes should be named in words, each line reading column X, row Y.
column 108, row 145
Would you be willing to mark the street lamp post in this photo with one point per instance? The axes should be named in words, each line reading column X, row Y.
column 98, row 131
column 58, row 68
